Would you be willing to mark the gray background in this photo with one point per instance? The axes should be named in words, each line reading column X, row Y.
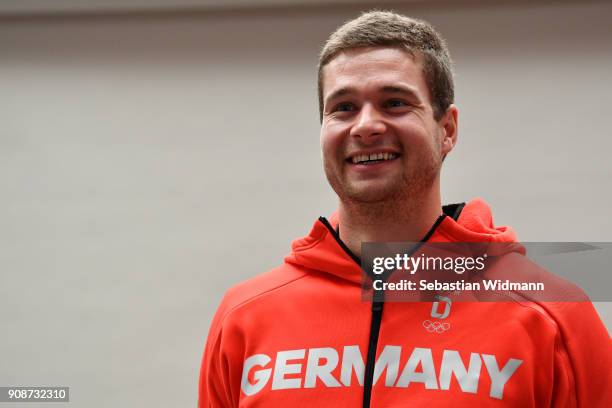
column 150, row 160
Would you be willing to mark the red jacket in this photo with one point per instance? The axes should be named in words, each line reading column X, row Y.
column 300, row 336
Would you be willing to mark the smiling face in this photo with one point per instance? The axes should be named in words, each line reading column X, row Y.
column 379, row 138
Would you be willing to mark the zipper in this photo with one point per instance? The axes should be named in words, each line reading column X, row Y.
column 378, row 303
column 377, row 311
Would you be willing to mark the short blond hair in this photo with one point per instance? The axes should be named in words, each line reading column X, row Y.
column 389, row 29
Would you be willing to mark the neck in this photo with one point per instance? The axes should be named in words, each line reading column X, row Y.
column 402, row 220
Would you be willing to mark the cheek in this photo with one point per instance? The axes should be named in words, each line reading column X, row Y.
column 418, row 135
column 331, row 142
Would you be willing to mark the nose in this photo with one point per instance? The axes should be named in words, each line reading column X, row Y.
column 369, row 126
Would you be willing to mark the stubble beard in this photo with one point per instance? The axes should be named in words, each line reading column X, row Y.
column 395, row 199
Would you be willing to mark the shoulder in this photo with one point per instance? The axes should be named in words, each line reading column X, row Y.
column 518, row 268
column 265, row 289
column 562, row 303
column 262, row 285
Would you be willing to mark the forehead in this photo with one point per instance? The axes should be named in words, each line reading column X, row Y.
column 373, row 67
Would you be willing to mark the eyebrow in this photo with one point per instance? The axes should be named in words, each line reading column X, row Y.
column 400, row 89
column 387, row 89
column 347, row 90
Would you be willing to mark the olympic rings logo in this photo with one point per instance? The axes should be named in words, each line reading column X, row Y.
column 437, row 327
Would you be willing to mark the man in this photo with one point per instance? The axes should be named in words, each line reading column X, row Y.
column 301, row 336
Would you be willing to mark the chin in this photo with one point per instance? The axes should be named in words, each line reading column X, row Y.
column 371, row 194
column 365, row 191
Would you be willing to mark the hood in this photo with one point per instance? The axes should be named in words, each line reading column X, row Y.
column 322, row 249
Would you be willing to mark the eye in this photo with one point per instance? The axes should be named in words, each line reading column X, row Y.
column 395, row 103
column 345, row 107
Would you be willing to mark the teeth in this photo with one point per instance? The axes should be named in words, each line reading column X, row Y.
column 375, row 156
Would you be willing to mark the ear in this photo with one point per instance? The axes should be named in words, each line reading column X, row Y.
column 448, row 125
